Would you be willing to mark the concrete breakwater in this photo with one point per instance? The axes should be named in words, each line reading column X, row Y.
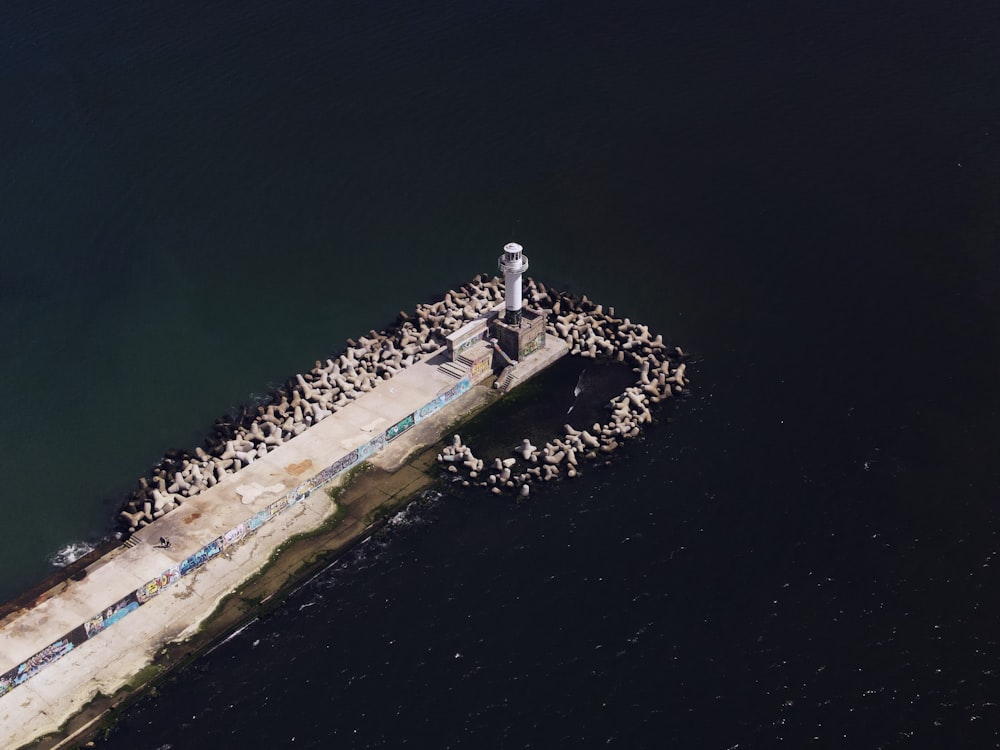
column 306, row 399
column 94, row 632
column 591, row 331
column 62, row 648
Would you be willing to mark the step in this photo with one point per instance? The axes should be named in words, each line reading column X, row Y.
column 454, row 370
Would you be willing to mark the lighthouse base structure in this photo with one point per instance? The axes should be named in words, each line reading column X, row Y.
column 523, row 337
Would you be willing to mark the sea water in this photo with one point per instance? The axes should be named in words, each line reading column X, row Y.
column 199, row 201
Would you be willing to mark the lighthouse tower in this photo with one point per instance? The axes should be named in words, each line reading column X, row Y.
column 512, row 264
column 520, row 332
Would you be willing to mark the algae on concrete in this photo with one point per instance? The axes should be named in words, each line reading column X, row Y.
column 363, row 499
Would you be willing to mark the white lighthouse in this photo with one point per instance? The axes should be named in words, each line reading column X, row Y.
column 512, row 264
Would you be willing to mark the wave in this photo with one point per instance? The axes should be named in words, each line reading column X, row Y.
column 70, row 553
column 234, row 634
column 410, row 514
column 577, row 390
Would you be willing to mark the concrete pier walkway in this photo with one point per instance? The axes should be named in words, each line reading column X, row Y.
column 215, row 545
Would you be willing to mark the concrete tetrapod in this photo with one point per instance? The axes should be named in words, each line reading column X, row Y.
column 590, row 329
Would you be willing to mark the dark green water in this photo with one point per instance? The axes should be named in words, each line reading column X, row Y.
column 199, row 201
column 573, row 391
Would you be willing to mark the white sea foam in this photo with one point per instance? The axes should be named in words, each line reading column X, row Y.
column 232, row 635
column 70, row 553
column 402, row 518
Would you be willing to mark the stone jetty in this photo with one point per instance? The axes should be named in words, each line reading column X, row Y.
column 590, row 330
column 226, row 506
column 305, row 400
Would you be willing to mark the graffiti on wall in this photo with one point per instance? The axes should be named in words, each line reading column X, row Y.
column 33, row 665
column 427, row 409
column 472, row 340
column 400, row 427
column 109, row 616
column 457, row 390
column 372, row 447
column 342, row 464
column 202, row 556
column 276, row 507
column 302, row 491
column 533, row 345
column 448, row 396
column 481, row 367
column 151, row 588
column 256, row 521
column 234, row 536
column 337, row 468
column 7, row 681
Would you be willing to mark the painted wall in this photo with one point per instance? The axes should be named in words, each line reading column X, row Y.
column 469, row 334
column 442, row 400
column 400, row 427
column 533, row 344
column 97, row 624
column 470, row 341
column 481, row 367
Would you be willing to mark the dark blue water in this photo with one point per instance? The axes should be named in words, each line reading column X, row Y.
column 201, row 200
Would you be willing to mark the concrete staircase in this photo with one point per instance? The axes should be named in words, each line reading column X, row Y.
column 454, row 370
column 506, row 379
column 458, row 369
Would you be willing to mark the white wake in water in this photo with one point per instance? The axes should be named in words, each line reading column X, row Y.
column 577, row 390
